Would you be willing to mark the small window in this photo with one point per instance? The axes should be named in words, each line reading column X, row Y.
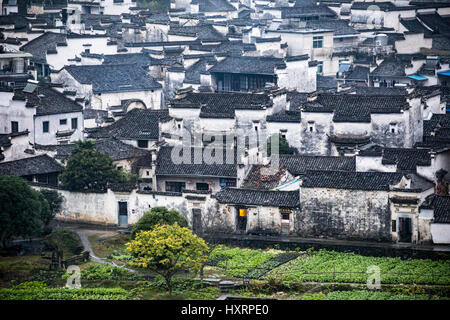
column 14, row 126
column 317, row 42
column 62, row 122
column 284, row 216
column 319, row 67
column 45, row 126
column 311, row 126
column 202, row 186
column 148, row 173
column 394, row 225
column 119, row 167
column 393, row 128
column 142, row 143
column 74, row 123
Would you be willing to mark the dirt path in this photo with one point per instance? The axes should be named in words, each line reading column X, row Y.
column 84, row 235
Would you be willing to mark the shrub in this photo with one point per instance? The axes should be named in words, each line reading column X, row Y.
column 158, row 216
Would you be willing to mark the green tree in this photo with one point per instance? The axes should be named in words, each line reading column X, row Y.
column 63, row 242
column 283, row 144
column 89, row 169
column 158, row 216
column 167, row 250
column 21, row 209
column 156, row 5
column 54, row 200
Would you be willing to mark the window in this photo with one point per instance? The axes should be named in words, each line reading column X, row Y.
column 311, row 126
column 62, row 122
column 142, row 143
column 393, row 127
column 174, row 186
column 317, row 42
column 45, row 126
column 74, row 123
column 319, row 67
column 14, row 126
column 394, row 225
column 202, row 186
column 243, row 83
column 285, row 213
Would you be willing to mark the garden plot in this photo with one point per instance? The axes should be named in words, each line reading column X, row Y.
column 330, row 266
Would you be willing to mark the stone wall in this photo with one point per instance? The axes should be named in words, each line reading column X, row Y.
column 344, row 214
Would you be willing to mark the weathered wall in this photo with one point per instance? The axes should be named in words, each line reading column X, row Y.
column 349, row 214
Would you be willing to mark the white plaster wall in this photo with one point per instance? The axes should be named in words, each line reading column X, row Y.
column 440, row 233
column 75, row 48
column 15, row 110
column 364, row 164
column 49, row 138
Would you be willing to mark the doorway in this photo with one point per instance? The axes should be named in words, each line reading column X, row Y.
column 405, row 229
column 241, row 219
column 197, row 221
column 123, row 214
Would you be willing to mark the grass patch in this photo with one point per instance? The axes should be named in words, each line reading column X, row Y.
column 367, row 295
column 64, row 294
column 104, row 247
column 237, row 262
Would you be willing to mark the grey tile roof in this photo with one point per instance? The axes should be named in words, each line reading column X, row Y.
column 370, row 181
column 406, row 159
column 223, row 105
column 413, row 25
column 340, row 27
column 116, row 149
column 127, row 58
column 215, row 6
column 300, row 164
column 391, row 68
column 165, row 165
column 354, row 107
column 224, row 46
column 436, row 132
column 248, row 65
column 435, row 22
column 203, row 32
column 358, row 73
column 192, row 74
column 441, row 207
column 307, row 11
column 326, row 83
column 258, row 197
column 30, row 166
column 48, row 101
column 136, row 124
column 285, row 116
column 114, row 77
column 39, row 46
column 375, row 91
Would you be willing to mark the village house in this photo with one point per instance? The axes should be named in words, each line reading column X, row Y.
column 139, row 128
column 49, row 116
column 241, row 73
column 14, row 68
column 111, row 86
column 14, row 145
column 40, row 169
column 124, row 156
column 198, row 175
column 339, row 123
